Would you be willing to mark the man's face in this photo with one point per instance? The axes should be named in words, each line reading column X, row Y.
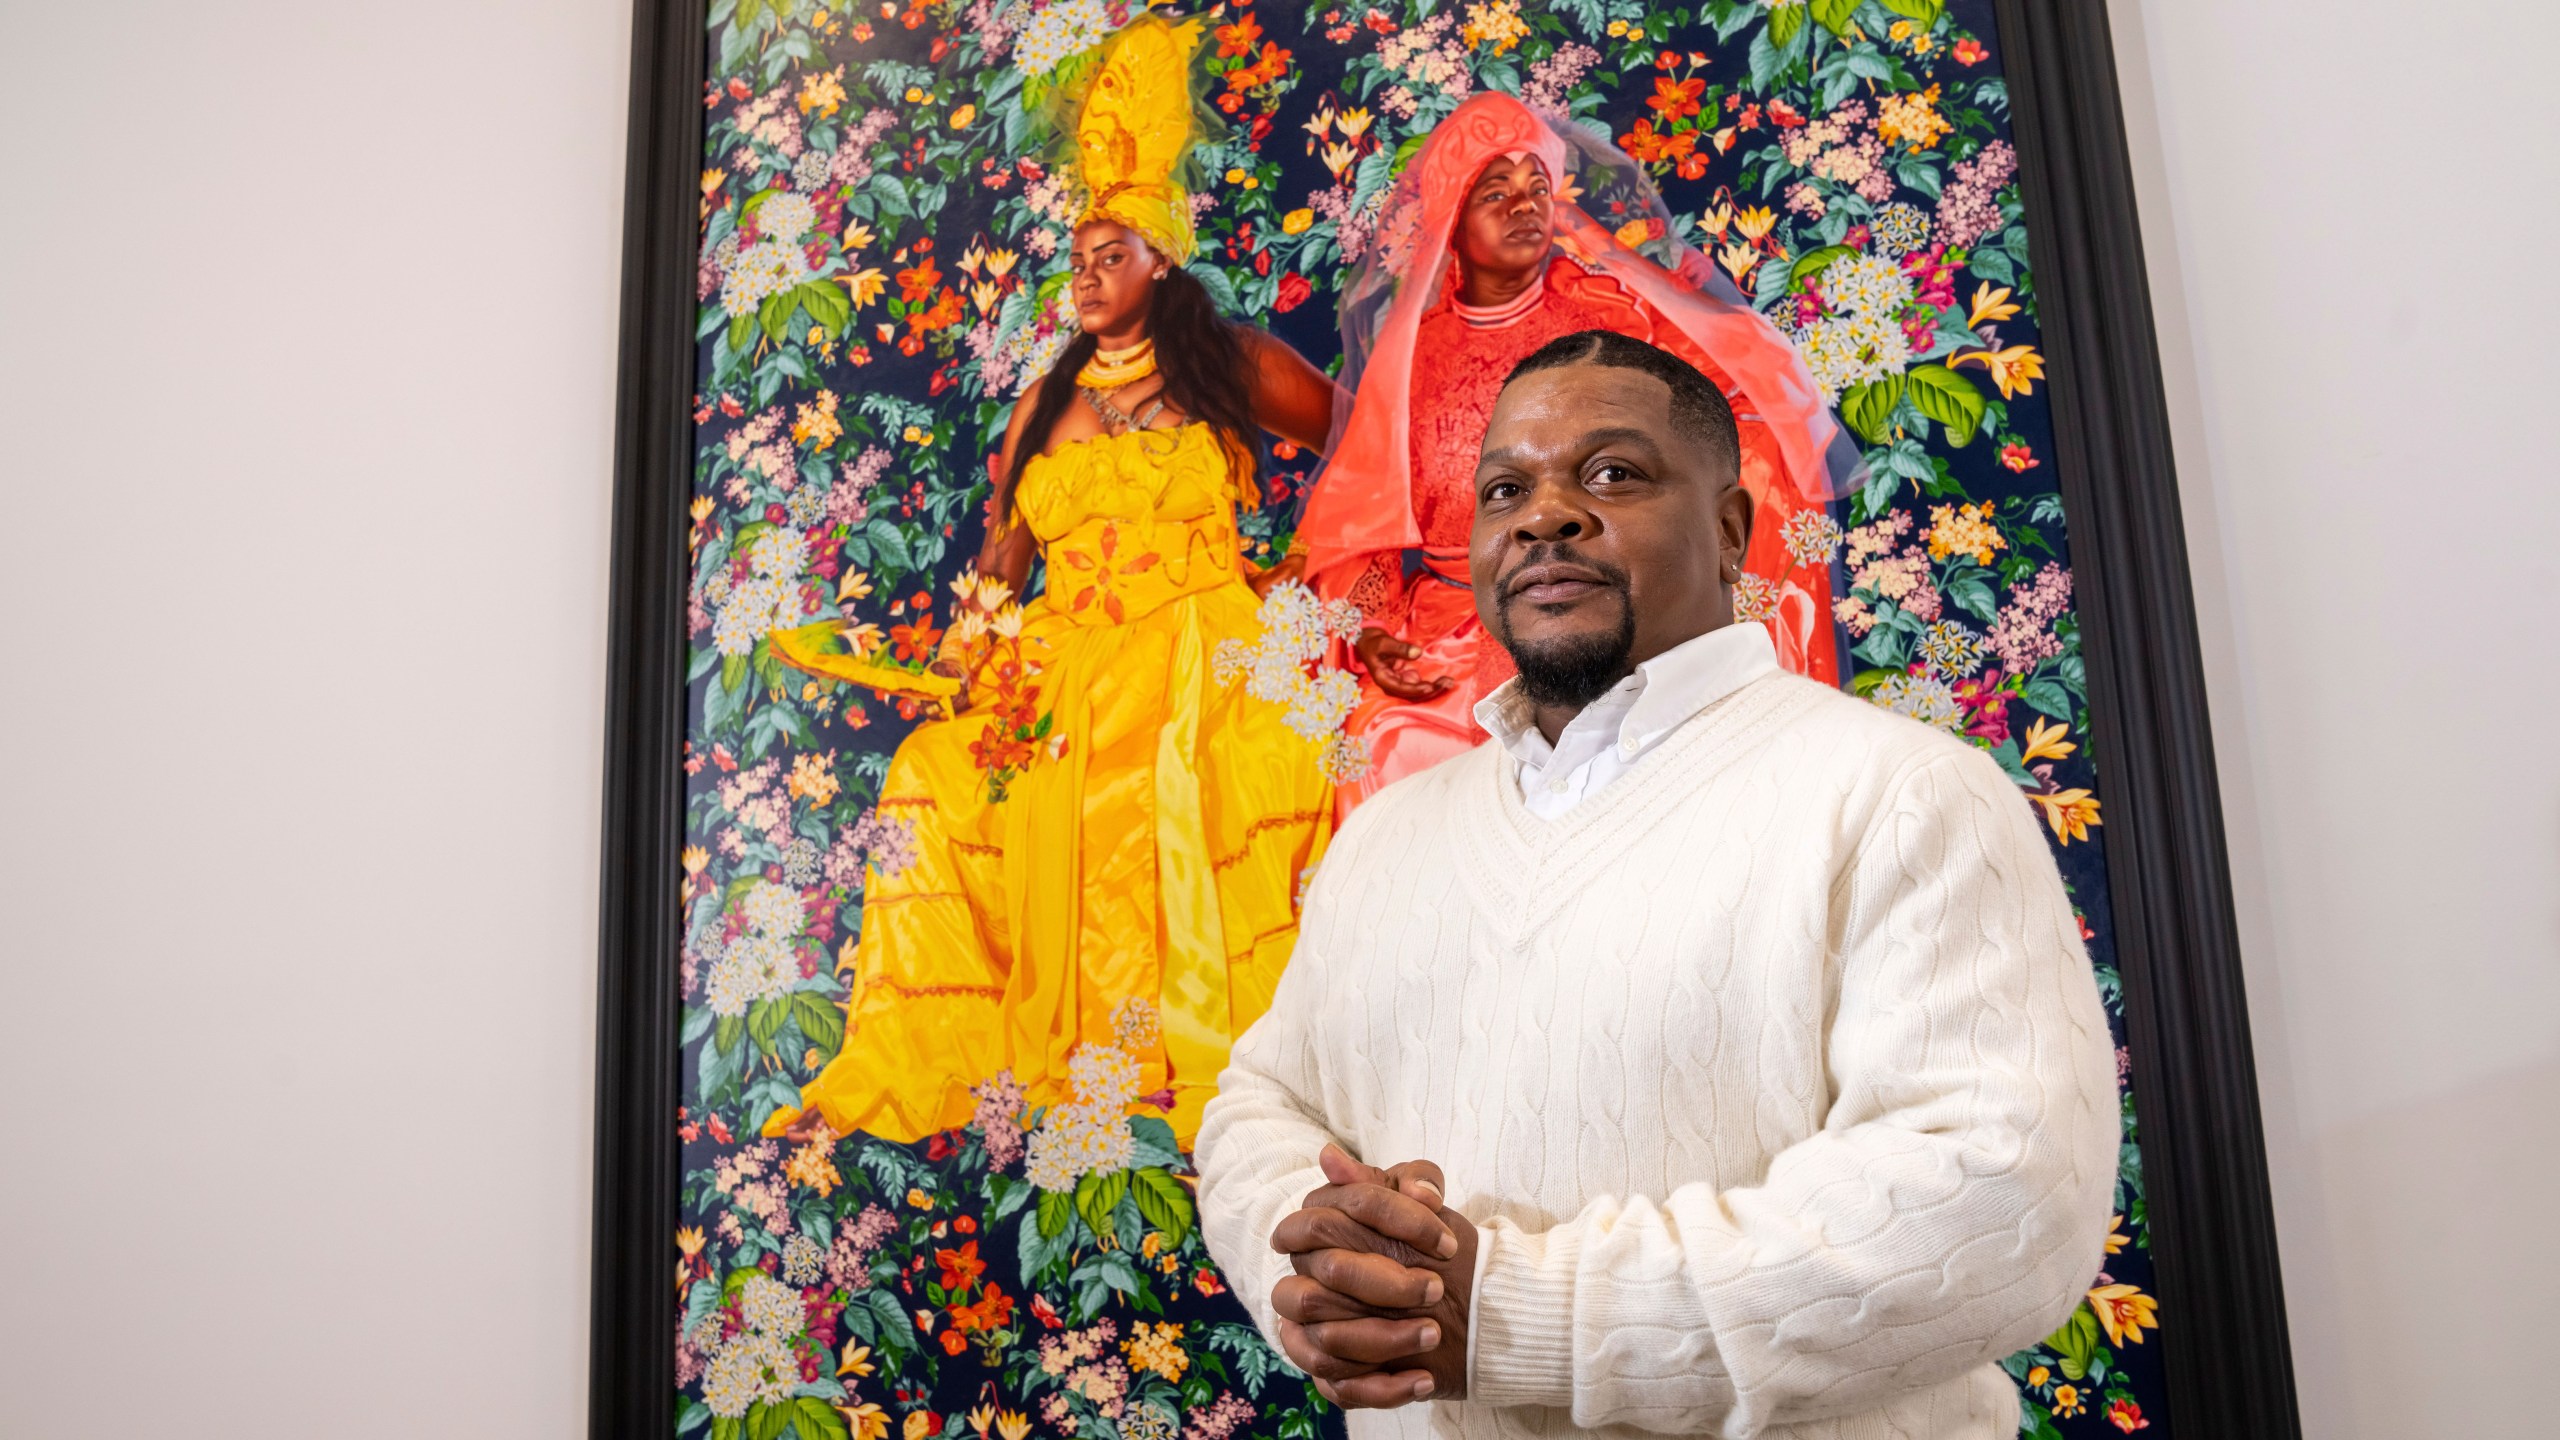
column 1509, row 223
column 1603, row 536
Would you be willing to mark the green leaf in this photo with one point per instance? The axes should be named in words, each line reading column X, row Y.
column 819, row 1419
column 1924, row 11
column 1866, row 681
column 1164, row 1202
column 1098, row 1195
column 1783, row 25
column 1057, row 1207
column 765, row 1422
column 2049, row 697
column 1156, row 1145
column 724, row 1036
column 1833, row 15
column 1948, row 398
column 775, row 314
column 2076, row 1342
column 724, row 1427
column 1869, row 408
column 764, row 1020
column 1814, row 262
column 820, row 1021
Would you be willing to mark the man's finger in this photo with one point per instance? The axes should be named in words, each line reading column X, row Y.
column 1382, row 1391
column 1372, row 1280
column 1397, row 1216
column 1298, row 1298
column 1314, row 1359
column 1341, row 1169
column 1323, row 1227
column 1423, row 1181
column 1375, row 1342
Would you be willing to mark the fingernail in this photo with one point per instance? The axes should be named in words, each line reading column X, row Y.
column 1431, row 1292
column 1430, row 1337
column 1448, row 1247
column 1422, row 1387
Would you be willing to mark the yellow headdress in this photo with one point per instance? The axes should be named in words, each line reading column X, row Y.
column 1135, row 129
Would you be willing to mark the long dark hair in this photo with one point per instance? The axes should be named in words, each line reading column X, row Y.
column 1202, row 364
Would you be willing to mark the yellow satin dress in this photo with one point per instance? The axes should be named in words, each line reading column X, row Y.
column 1159, row 855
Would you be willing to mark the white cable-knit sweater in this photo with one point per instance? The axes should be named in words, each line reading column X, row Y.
column 1774, row 1074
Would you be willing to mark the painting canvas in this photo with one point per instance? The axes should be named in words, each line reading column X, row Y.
column 1016, row 717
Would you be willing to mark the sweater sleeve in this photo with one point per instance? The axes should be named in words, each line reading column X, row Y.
column 1949, row 1212
column 1261, row 1133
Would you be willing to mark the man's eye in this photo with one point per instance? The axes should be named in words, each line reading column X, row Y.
column 1612, row 474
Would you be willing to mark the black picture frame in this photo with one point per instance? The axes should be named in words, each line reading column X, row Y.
column 2228, row 1357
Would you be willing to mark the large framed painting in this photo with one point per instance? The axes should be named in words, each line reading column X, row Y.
column 973, row 737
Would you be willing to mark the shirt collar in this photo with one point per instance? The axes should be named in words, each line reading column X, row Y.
column 1663, row 691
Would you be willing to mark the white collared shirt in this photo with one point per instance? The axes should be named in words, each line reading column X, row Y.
column 1616, row 730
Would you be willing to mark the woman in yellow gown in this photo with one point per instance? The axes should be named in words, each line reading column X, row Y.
column 1150, row 848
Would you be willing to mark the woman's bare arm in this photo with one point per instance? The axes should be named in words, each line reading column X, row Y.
column 1291, row 397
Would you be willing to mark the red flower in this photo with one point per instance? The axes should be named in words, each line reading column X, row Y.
column 1692, row 165
column 965, row 1224
column 1675, row 99
column 960, row 1268
column 915, row 642
column 1237, row 40
column 719, row 1130
column 1665, row 60
column 1969, row 51
column 1208, row 1283
column 1294, row 291
column 2125, row 1415
column 915, row 284
column 1782, row 113
column 1377, row 21
column 953, row 1342
column 2018, row 457
column 1041, row 1312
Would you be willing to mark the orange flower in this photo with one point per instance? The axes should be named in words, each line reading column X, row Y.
column 953, row 1342
column 1273, row 64
column 1237, row 40
column 960, row 1268
column 1675, row 99
column 915, row 642
column 2125, row 1312
column 946, row 312
column 915, row 284
column 1651, row 146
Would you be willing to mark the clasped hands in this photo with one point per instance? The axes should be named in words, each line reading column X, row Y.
column 1378, row 1309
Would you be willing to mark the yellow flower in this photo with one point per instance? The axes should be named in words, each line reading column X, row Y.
column 1738, row 259
column 2070, row 813
column 1963, row 530
column 866, row 285
column 1635, row 32
column 919, row 1424
column 1353, row 123
column 1001, row 262
column 916, row 95
column 1235, row 176
column 696, row 859
column 2066, row 1399
column 856, row 235
column 2037, row 1376
column 1717, row 220
column 1755, row 222
column 1297, row 222
column 813, row 778
column 1990, row 304
column 982, row 1417
column 866, row 1420
column 689, row 1240
column 1617, row 28
column 701, row 508
column 1497, row 23
column 1338, row 158
column 854, row 586
column 1157, row 1348
column 2116, row 1238
column 2015, row 370
column 1013, row 1425
column 823, row 93
column 961, row 118
column 809, row 691
column 810, row 1165
column 2125, row 1312
column 1911, row 120
column 711, row 180
column 2045, row 742
column 919, row 1199
column 857, row 1359
column 985, row 294
column 815, row 424
column 1634, row 233
column 861, row 639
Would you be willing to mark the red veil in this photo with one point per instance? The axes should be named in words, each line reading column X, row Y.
column 1363, row 505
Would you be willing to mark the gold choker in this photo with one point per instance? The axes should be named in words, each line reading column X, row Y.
column 1111, row 369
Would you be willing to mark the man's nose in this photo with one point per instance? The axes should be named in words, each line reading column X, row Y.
column 1554, row 512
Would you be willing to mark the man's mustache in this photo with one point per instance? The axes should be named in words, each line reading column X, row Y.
column 1556, row 555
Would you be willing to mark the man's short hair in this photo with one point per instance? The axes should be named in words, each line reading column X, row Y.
column 1698, row 408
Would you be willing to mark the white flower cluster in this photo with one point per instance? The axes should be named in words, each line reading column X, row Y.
column 1812, row 537
column 786, row 217
column 1090, row 1135
column 1022, row 357
column 1058, row 31
column 758, row 1365
column 1861, row 340
column 1134, row 1021
column 1296, row 627
column 759, row 963
column 1924, row 698
column 770, row 600
column 765, row 268
column 1951, row 648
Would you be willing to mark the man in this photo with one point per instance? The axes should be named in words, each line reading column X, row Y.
column 1502, row 262
column 1736, row 1036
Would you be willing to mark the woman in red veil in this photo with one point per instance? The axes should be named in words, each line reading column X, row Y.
column 1481, row 256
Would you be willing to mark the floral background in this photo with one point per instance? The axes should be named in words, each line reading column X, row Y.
column 882, row 246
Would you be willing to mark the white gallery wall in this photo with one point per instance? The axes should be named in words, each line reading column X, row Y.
column 307, row 320
column 2343, row 206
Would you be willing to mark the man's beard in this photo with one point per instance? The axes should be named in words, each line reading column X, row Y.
column 1571, row 672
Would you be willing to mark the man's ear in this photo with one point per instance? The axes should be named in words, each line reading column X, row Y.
column 1735, row 513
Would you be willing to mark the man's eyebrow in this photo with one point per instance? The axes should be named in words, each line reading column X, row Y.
column 1589, row 440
